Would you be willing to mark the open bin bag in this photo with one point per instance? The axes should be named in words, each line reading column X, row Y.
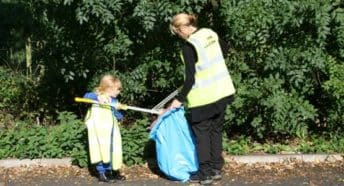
column 175, row 145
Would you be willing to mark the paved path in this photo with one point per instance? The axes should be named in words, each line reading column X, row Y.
column 319, row 170
column 247, row 159
column 328, row 177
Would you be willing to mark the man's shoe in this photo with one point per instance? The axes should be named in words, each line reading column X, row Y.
column 194, row 178
column 216, row 175
column 206, row 181
column 103, row 178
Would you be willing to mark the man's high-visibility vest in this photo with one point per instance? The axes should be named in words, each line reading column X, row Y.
column 212, row 79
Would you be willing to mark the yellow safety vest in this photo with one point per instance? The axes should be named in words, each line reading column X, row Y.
column 212, row 79
column 104, row 138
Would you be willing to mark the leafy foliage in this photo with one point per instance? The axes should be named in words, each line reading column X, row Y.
column 135, row 142
column 313, row 144
column 35, row 141
column 286, row 55
column 69, row 139
column 287, row 65
column 10, row 90
column 334, row 92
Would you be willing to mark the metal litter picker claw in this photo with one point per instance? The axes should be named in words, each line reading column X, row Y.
column 165, row 100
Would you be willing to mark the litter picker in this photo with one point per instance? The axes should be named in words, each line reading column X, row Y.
column 165, row 100
column 120, row 106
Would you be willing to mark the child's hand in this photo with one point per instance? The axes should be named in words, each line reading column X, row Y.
column 120, row 106
column 104, row 99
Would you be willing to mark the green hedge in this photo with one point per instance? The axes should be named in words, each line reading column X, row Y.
column 69, row 139
column 24, row 140
column 286, row 59
column 287, row 64
column 326, row 143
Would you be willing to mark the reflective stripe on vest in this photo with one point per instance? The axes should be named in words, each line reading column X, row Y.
column 212, row 79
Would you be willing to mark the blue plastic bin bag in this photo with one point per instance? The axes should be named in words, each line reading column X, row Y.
column 175, row 145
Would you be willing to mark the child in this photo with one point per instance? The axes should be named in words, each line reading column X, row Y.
column 105, row 145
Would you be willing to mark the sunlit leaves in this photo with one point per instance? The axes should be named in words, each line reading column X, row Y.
column 286, row 45
column 103, row 10
column 285, row 55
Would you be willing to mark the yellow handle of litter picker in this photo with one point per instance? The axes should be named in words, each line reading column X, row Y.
column 117, row 106
column 85, row 100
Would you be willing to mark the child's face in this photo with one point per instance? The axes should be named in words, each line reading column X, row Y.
column 114, row 91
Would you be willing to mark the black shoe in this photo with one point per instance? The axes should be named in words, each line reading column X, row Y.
column 117, row 176
column 206, row 181
column 216, row 175
column 194, row 178
column 103, row 178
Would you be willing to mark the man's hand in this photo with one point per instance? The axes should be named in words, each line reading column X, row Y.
column 175, row 104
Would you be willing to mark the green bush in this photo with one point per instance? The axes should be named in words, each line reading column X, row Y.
column 285, row 65
column 334, row 97
column 11, row 90
column 69, row 139
column 239, row 146
column 36, row 141
column 315, row 143
column 135, row 142
column 19, row 99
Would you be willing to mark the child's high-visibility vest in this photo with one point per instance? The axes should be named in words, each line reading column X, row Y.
column 104, row 138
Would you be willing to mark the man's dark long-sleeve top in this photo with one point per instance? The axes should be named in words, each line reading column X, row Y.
column 190, row 59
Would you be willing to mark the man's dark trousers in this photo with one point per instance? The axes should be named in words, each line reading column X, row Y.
column 209, row 144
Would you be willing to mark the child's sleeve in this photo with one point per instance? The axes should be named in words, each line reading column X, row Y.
column 119, row 115
column 91, row 95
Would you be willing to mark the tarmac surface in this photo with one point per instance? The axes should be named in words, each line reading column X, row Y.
column 314, row 170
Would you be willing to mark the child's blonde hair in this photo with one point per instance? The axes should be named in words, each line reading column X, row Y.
column 182, row 19
column 108, row 81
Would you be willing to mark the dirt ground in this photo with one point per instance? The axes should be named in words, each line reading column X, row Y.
column 291, row 173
